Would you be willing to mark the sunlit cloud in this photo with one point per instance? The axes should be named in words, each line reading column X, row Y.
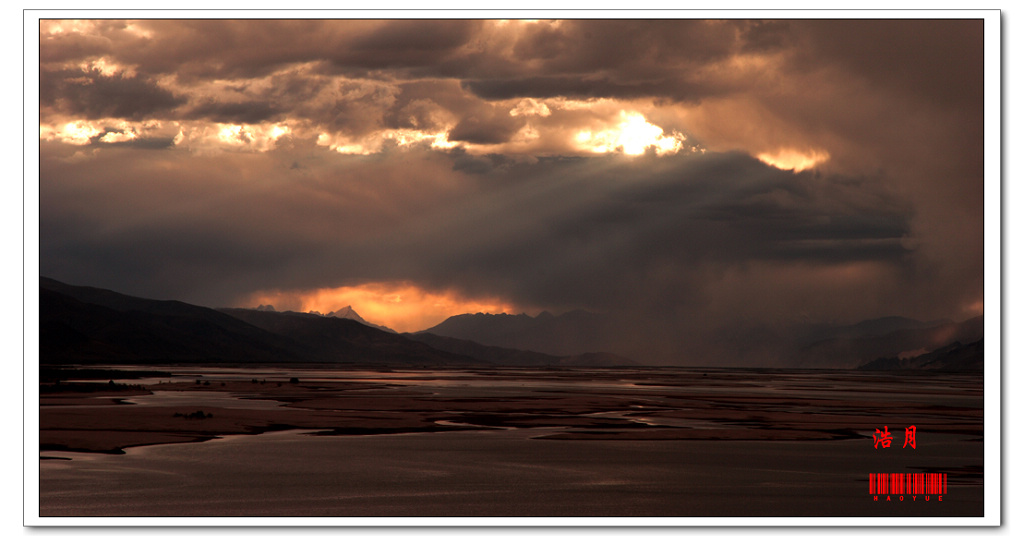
column 107, row 131
column 795, row 160
column 78, row 133
column 527, row 134
column 197, row 136
column 401, row 306
column 529, row 106
column 118, row 136
column 593, row 104
column 53, row 27
column 108, row 68
column 134, row 28
column 376, row 141
column 505, row 22
column 633, row 135
column 231, row 137
column 601, row 128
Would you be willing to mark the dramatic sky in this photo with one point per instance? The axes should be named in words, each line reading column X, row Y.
column 693, row 176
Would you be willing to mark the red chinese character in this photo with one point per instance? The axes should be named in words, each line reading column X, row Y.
column 885, row 438
column 911, row 438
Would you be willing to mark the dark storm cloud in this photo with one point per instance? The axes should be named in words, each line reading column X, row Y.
column 765, row 36
column 749, row 210
column 140, row 143
column 93, row 95
column 478, row 164
column 597, row 234
column 421, row 104
column 207, row 49
column 574, row 58
column 495, row 128
column 108, row 37
column 188, row 231
column 920, row 117
column 619, row 59
column 577, row 87
column 407, row 43
column 937, row 60
column 627, row 47
column 581, row 232
column 202, row 49
column 252, row 111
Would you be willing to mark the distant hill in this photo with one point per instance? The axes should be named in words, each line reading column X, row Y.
column 574, row 332
column 869, row 328
column 86, row 325
column 833, row 346
column 90, row 325
column 348, row 313
column 82, row 325
column 338, row 340
column 495, row 354
column 952, row 357
column 859, row 345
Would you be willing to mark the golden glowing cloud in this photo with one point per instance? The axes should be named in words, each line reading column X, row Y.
column 790, row 159
column 526, row 134
column 374, row 143
column 529, row 106
column 52, row 27
column 504, row 22
column 632, row 135
column 108, row 68
column 78, row 133
column 607, row 128
column 113, row 137
column 401, row 306
column 229, row 137
column 134, row 28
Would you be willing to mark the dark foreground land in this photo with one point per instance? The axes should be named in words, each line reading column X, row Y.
column 506, row 442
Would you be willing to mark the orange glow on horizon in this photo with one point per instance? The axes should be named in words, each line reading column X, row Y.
column 790, row 159
column 401, row 306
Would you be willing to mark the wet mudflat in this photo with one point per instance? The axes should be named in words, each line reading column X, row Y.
column 511, row 442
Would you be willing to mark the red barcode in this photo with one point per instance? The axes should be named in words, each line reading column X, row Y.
column 907, row 483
